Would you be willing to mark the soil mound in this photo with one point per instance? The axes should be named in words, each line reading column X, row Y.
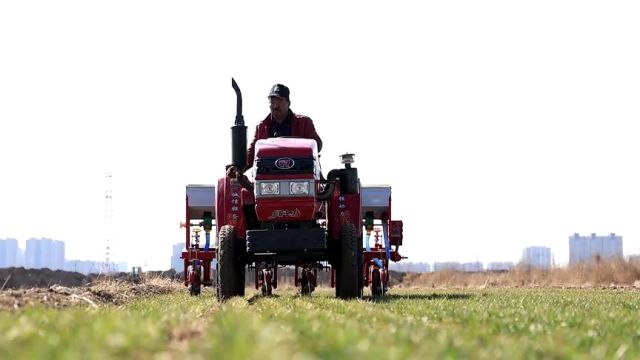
column 21, row 278
column 98, row 294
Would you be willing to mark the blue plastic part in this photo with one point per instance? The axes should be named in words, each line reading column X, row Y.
column 385, row 228
column 207, row 237
column 366, row 242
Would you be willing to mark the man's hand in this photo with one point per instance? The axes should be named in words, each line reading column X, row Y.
column 233, row 172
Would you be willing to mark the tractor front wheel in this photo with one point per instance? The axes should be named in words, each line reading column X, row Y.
column 228, row 264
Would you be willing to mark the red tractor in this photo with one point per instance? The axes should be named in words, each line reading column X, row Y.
column 290, row 215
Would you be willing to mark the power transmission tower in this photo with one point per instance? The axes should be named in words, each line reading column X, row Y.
column 107, row 266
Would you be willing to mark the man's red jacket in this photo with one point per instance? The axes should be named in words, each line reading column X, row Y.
column 301, row 126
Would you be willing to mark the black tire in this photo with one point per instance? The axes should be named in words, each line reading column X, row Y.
column 348, row 274
column 241, row 249
column 217, row 279
column 195, row 289
column 269, row 285
column 338, row 277
column 305, row 283
column 376, row 284
column 266, row 287
column 306, row 290
column 360, row 268
column 227, row 264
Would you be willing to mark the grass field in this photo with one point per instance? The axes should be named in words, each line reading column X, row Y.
column 408, row 324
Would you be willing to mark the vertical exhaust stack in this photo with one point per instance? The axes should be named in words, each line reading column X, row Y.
column 238, row 133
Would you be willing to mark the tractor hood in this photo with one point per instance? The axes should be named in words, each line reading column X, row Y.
column 286, row 146
column 287, row 155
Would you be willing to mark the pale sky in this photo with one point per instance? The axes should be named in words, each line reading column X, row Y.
column 498, row 124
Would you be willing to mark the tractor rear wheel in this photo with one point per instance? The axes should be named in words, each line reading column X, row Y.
column 360, row 270
column 241, row 248
column 338, row 277
column 228, row 275
column 348, row 274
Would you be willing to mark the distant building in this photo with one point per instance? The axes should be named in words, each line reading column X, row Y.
column 113, row 267
column 588, row 248
column 57, row 257
column 122, row 266
column 500, row 266
column 176, row 263
column 472, row 266
column 36, row 253
column 439, row 266
column 44, row 253
column 20, row 262
column 410, row 267
column 537, row 256
column 83, row 266
column 457, row 266
column 9, row 253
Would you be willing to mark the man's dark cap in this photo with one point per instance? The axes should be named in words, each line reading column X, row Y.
column 280, row 91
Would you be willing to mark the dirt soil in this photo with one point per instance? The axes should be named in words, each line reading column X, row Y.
column 60, row 289
column 16, row 278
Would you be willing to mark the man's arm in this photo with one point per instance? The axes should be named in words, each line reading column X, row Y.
column 251, row 151
column 311, row 133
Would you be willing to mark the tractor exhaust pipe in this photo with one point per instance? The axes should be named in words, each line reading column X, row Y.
column 238, row 133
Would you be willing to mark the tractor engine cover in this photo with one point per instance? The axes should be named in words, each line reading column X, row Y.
column 286, row 173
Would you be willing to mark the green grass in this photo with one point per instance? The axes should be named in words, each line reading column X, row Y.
column 485, row 324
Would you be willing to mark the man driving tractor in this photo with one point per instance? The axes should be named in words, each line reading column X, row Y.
column 280, row 121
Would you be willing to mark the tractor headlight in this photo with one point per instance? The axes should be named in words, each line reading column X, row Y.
column 269, row 188
column 299, row 188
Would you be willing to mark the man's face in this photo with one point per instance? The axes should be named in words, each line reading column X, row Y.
column 279, row 108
